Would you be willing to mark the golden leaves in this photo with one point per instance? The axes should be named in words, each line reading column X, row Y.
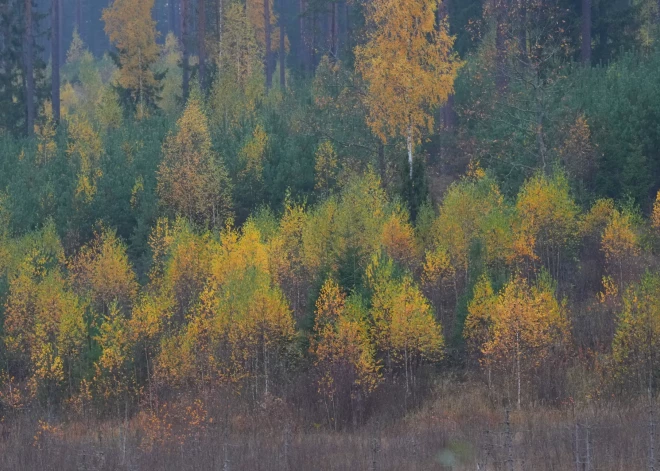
column 192, row 182
column 132, row 30
column 408, row 65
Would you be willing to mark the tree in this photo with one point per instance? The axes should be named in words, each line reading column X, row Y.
column 29, row 69
column 130, row 27
column 85, row 149
column 637, row 336
column 102, row 272
column 55, row 39
column 192, row 180
column 585, row 50
column 409, row 68
column 344, row 356
column 546, row 221
column 620, row 244
column 404, row 328
column 517, row 330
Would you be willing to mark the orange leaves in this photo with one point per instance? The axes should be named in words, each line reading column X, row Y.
column 408, row 65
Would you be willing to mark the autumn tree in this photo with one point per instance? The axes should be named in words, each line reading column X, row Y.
column 85, row 149
column 515, row 331
column 620, row 243
column 409, row 68
column 192, row 180
column 132, row 30
column 405, row 330
column 102, row 272
column 637, row 337
column 344, row 355
column 546, row 222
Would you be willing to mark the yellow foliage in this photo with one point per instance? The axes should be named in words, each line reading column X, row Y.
column 344, row 356
column 655, row 215
column 620, row 242
column 325, row 168
column 45, row 133
column 409, row 67
column 253, row 154
column 404, row 326
column 132, row 30
column 546, row 218
column 85, row 147
column 516, row 330
column 192, row 182
column 102, row 271
column 638, row 334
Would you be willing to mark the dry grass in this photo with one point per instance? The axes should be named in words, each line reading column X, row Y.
column 460, row 428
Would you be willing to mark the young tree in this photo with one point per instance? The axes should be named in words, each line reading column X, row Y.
column 55, row 39
column 132, row 30
column 29, row 69
column 192, row 180
column 637, row 337
column 409, row 68
column 404, row 328
column 517, row 330
column 344, row 356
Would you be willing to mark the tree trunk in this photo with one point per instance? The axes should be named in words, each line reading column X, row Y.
column 282, row 52
column 500, row 44
column 267, row 45
column 55, row 56
column 303, row 36
column 201, row 42
column 219, row 5
column 409, row 145
column 447, row 110
column 171, row 16
column 522, row 31
column 29, row 69
column 335, row 30
column 79, row 16
column 586, row 32
column 186, row 49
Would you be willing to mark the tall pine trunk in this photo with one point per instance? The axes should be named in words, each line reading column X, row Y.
column 335, row 30
column 304, row 52
column 171, row 16
column 186, row 48
column 201, row 42
column 447, row 110
column 282, row 52
column 79, row 17
column 585, row 51
column 55, row 58
column 29, row 68
column 500, row 44
column 219, row 5
column 267, row 53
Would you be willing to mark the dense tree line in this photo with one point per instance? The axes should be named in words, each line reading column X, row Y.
column 321, row 201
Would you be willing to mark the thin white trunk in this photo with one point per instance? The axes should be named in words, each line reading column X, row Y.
column 409, row 144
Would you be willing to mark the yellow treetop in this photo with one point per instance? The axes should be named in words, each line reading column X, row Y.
column 130, row 27
column 408, row 65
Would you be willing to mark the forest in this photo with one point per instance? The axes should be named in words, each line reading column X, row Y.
column 329, row 235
